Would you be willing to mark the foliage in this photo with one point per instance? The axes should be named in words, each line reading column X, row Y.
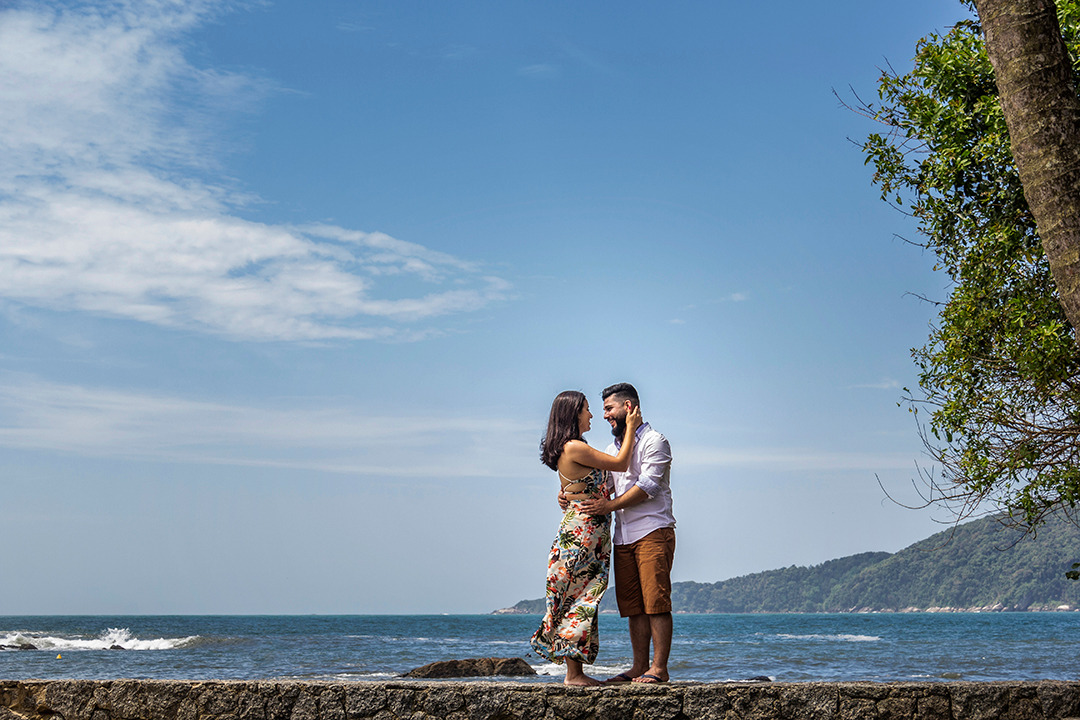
column 1000, row 373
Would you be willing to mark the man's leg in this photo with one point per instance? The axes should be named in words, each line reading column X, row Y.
column 661, row 627
column 631, row 607
column 640, row 635
column 654, row 557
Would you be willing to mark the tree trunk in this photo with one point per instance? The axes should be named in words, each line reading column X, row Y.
column 1042, row 110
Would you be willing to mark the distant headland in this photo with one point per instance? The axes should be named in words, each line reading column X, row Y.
column 980, row 566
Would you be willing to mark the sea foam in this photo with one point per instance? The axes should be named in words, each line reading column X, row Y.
column 834, row 638
column 111, row 639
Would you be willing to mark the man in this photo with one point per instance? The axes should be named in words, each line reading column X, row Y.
column 644, row 538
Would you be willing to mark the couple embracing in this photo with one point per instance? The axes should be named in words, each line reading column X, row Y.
column 630, row 479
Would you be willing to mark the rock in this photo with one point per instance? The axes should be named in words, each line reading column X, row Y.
column 473, row 667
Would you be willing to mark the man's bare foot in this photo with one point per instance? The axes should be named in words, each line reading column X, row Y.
column 581, row 680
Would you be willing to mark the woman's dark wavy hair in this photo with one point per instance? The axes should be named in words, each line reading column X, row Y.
column 562, row 426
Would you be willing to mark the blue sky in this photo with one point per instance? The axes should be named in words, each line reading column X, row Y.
column 286, row 290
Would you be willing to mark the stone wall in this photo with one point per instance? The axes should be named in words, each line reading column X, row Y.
column 509, row 700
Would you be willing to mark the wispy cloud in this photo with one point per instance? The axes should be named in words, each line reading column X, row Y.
column 102, row 422
column 540, row 71
column 109, row 205
column 352, row 27
column 791, row 459
column 460, row 52
column 735, row 297
column 884, row 384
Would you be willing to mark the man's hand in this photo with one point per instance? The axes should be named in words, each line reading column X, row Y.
column 597, row 506
column 563, row 502
column 603, row 506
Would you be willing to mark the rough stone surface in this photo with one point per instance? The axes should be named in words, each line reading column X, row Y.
column 508, row 700
column 473, row 667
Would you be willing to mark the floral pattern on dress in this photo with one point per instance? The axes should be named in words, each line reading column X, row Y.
column 576, row 579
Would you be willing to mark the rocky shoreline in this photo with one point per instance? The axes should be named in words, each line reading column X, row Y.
column 510, row 700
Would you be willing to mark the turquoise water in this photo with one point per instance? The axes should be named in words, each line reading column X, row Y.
column 789, row 648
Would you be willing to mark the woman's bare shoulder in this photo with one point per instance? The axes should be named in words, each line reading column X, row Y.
column 572, row 447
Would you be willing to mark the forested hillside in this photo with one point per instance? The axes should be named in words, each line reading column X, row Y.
column 793, row 589
column 982, row 564
column 978, row 565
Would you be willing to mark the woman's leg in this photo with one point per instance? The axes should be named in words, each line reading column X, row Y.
column 575, row 674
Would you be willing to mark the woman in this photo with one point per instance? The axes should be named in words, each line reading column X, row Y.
column 578, row 563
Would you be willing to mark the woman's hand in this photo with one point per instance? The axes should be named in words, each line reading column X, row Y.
column 633, row 419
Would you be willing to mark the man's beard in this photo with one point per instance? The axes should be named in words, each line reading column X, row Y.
column 619, row 429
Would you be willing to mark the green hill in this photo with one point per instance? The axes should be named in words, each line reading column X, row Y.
column 979, row 565
column 792, row 589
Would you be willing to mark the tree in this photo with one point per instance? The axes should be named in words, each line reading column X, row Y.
column 1000, row 373
column 1037, row 85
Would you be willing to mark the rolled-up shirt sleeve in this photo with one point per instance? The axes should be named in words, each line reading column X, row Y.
column 655, row 460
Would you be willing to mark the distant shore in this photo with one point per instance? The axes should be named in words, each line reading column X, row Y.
column 536, row 607
column 980, row 566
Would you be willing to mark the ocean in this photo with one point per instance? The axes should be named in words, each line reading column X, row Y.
column 707, row 648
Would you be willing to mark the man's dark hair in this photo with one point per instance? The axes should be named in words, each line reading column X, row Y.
column 622, row 391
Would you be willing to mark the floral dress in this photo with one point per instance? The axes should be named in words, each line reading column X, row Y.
column 576, row 579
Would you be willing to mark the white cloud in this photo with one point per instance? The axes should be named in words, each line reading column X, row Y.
column 38, row 415
column 105, row 206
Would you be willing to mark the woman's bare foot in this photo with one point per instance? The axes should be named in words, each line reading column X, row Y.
column 575, row 675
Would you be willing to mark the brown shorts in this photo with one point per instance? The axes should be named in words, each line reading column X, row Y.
column 643, row 574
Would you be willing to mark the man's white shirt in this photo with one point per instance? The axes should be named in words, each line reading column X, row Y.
column 650, row 470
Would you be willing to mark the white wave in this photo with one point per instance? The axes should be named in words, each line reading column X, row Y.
column 597, row 671
column 440, row 640
column 16, row 639
column 340, row 677
column 110, row 639
column 841, row 637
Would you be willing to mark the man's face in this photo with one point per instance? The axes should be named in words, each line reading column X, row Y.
column 615, row 411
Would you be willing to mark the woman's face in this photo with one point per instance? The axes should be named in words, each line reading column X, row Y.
column 584, row 418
